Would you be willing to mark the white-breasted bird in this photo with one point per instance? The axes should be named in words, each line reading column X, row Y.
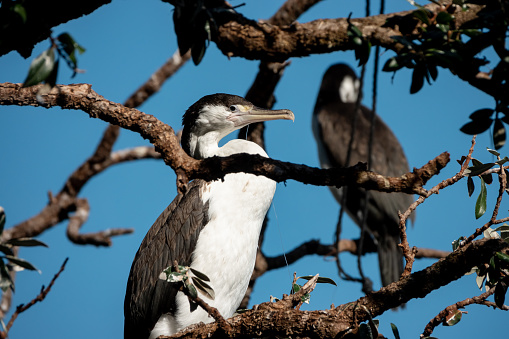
column 332, row 127
column 213, row 227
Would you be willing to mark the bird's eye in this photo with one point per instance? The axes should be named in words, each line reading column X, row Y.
column 233, row 108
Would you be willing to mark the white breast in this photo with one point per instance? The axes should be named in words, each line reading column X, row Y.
column 227, row 245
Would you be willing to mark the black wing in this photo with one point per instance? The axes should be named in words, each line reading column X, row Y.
column 173, row 236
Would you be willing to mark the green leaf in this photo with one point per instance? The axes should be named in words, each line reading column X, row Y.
column 27, row 242
column 395, row 331
column 6, row 249
column 365, row 331
column 453, row 318
column 482, row 114
column 502, row 161
column 193, row 293
column 502, row 256
column 477, row 126
column 422, row 15
column 480, row 205
column 20, row 11
column 499, row 134
column 5, row 278
column 488, row 178
column 392, row 65
column 20, row 262
column 479, row 169
column 320, row 280
column 40, row 68
column 417, row 78
column 199, row 274
column 500, row 291
column 444, row 18
column 204, row 288
column 470, row 186
column 492, row 151
column 295, row 288
column 503, row 227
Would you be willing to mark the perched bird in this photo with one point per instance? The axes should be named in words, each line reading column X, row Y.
column 332, row 127
column 213, row 227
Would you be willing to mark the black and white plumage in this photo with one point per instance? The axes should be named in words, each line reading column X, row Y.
column 213, row 227
column 332, row 127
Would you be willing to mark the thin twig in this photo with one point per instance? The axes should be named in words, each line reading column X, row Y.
column 40, row 297
column 407, row 252
column 442, row 316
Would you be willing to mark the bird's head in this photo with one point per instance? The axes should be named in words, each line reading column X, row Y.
column 214, row 116
column 340, row 83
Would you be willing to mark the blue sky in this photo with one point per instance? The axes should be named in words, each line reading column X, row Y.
column 126, row 42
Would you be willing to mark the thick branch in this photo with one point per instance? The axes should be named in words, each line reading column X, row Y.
column 271, row 319
column 82, row 97
column 252, row 40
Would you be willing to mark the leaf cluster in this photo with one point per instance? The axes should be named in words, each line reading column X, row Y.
column 9, row 261
column 44, row 68
column 496, row 273
column 194, row 25
column 191, row 280
column 306, row 297
column 362, row 46
column 479, row 169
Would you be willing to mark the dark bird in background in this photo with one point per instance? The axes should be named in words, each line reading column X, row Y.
column 213, row 227
column 332, row 127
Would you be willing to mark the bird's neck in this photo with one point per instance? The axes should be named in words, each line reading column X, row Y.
column 204, row 146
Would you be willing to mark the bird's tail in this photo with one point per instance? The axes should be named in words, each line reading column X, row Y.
column 390, row 259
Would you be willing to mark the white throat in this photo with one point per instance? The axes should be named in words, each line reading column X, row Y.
column 349, row 89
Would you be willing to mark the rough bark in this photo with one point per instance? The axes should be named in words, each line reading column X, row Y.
column 162, row 136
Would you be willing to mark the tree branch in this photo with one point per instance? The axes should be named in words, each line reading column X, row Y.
column 271, row 319
column 82, row 97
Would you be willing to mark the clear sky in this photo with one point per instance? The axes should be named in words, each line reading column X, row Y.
column 126, row 42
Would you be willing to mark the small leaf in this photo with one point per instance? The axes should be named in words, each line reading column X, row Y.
column 21, row 262
column 480, row 281
column 365, row 331
column 40, row 68
column 488, row 178
column 482, row 114
column 204, row 288
column 500, row 291
column 5, row 278
column 444, row 18
column 502, row 256
column 476, row 126
column 422, row 15
column 193, row 293
column 395, row 331
column 417, row 79
column 20, row 10
column 453, row 318
column 499, row 134
column 199, row 274
column 6, row 249
column 502, row 161
column 392, row 65
column 27, row 242
column 479, row 169
column 492, row 151
column 470, row 186
column 320, row 280
column 295, row 288
column 503, row 227
column 480, row 205
column 456, row 243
